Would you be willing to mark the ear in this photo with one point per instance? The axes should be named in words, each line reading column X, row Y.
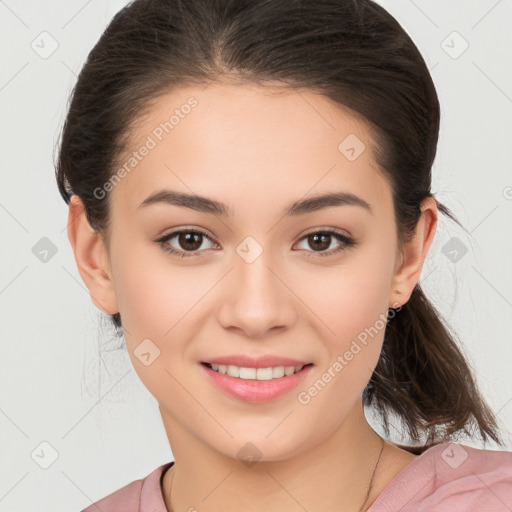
column 91, row 257
column 413, row 254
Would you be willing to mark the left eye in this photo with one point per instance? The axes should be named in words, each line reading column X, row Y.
column 191, row 241
column 323, row 239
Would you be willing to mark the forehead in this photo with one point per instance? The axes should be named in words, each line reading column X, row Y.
column 266, row 145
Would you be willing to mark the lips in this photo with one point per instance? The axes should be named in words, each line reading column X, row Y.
column 254, row 390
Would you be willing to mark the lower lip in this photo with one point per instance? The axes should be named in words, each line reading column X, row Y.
column 256, row 391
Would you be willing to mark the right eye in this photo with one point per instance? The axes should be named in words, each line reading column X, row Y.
column 190, row 239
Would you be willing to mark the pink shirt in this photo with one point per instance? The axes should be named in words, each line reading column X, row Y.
column 448, row 477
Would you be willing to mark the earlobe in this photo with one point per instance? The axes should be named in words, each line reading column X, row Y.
column 414, row 254
column 91, row 257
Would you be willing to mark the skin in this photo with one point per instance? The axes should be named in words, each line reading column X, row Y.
column 258, row 152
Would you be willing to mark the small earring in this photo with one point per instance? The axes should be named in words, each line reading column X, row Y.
column 394, row 303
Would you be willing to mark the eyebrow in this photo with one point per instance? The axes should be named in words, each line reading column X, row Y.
column 301, row 207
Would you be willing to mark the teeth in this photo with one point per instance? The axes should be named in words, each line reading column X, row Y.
column 233, row 371
column 278, row 371
column 242, row 372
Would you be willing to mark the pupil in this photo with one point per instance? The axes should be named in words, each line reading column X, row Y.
column 187, row 239
column 324, row 245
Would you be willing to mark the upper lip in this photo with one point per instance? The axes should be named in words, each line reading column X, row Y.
column 263, row 361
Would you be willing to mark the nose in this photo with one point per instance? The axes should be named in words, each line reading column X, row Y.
column 257, row 299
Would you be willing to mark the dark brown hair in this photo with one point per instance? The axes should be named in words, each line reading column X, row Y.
column 351, row 51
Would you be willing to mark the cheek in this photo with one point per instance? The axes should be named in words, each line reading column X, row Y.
column 155, row 295
column 352, row 304
column 157, row 302
column 350, row 297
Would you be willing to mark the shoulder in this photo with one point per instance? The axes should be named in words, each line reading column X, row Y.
column 451, row 476
column 142, row 495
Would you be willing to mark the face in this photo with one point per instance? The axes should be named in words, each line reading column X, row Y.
column 312, row 285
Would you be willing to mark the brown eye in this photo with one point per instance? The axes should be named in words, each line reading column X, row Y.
column 320, row 241
column 188, row 242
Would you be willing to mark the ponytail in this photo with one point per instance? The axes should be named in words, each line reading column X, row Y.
column 423, row 376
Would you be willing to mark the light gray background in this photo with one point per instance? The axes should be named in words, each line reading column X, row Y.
column 93, row 410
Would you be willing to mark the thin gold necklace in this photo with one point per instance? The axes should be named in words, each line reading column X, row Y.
column 371, row 481
column 365, row 499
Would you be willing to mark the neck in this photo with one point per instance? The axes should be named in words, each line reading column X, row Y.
column 333, row 475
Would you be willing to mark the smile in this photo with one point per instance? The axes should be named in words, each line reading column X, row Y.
column 255, row 385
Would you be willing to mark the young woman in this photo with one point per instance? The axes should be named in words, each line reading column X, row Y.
column 249, row 198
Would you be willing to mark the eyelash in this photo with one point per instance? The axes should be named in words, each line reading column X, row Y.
column 346, row 241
